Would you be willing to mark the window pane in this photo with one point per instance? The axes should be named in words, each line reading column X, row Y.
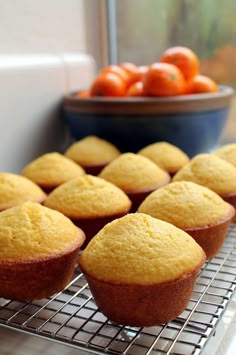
column 145, row 28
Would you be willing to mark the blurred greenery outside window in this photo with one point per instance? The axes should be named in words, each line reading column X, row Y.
column 140, row 30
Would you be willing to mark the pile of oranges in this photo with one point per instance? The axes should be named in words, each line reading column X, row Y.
column 176, row 73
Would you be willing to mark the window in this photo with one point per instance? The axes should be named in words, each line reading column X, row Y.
column 140, row 30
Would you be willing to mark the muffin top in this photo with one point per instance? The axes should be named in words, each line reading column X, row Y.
column 186, row 205
column 88, row 197
column 33, row 232
column 211, row 171
column 167, row 156
column 228, row 153
column 140, row 249
column 16, row 189
column 52, row 169
column 133, row 172
column 92, row 150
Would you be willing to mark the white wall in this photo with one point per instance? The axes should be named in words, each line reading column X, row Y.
column 43, row 56
column 44, row 26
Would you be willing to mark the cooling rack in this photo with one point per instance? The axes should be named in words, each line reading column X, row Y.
column 72, row 318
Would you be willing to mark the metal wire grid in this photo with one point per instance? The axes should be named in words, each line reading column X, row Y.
column 71, row 317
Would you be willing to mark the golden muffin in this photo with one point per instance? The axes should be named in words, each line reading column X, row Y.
column 167, row 156
column 38, row 251
column 213, row 172
column 228, row 153
column 92, row 153
column 136, row 175
column 194, row 208
column 141, row 270
column 90, row 202
column 16, row 189
column 51, row 170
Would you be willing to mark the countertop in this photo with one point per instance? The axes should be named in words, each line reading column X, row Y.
column 13, row 342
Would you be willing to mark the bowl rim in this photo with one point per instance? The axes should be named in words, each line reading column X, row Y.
column 150, row 105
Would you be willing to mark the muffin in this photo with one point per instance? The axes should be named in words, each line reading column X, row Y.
column 92, row 153
column 90, row 202
column 193, row 208
column 228, row 153
column 137, row 176
column 39, row 250
column 16, row 189
column 51, row 170
column 213, row 172
column 167, row 156
column 141, row 270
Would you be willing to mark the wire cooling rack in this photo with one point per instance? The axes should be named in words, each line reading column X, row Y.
column 71, row 317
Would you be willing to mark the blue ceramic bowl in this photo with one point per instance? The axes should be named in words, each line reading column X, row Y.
column 194, row 123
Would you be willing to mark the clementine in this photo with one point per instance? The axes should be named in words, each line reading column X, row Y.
column 138, row 75
column 184, row 58
column 130, row 68
column 131, row 71
column 163, row 79
column 135, row 89
column 108, row 84
column 116, row 69
column 83, row 94
column 201, row 84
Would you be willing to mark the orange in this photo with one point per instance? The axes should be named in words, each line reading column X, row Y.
column 142, row 69
column 108, row 84
column 201, row 84
column 135, row 89
column 163, row 79
column 83, row 94
column 116, row 69
column 131, row 71
column 130, row 68
column 184, row 58
column 138, row 75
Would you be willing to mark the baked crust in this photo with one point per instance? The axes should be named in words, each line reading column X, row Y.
column 211, row 238
column 137, row 197
column 91, row 226
column 29, row 280
column 232, row 200
column 40, row 201
column 95, row 169
column 143, row 305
